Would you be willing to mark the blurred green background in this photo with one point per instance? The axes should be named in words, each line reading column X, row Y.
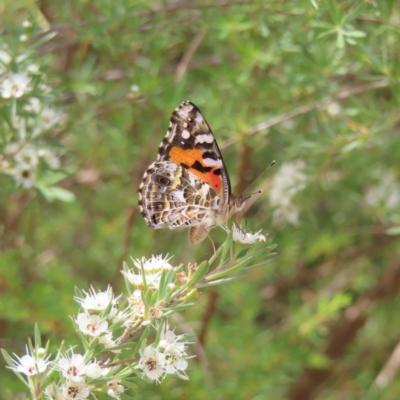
column 311, row 84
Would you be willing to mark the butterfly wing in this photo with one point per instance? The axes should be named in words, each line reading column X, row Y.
column 171, row 196
column 191, row 144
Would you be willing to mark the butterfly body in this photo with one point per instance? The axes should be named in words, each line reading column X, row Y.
column 188, row 185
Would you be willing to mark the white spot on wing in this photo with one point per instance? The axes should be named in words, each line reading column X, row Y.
column 205, row 188
column 185, row 134
column 178, row 196
column 209, row 162
column 205, row 138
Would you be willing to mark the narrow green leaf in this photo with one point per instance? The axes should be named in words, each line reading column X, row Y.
column 129, row 384
column 340, row 40
column 394, row 230
column 199, row 274
column 357, row 34
column 221, row 281
column 55, row 193
column 38, row 339
column 353, row 14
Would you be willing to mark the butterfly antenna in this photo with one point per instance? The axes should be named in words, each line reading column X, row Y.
column 258, row 177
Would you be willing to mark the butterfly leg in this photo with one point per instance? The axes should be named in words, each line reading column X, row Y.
column 212, row 242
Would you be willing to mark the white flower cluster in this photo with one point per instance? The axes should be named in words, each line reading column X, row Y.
column 28, row 115
column 241, row 236
column 100, row 311
column 131, row 338
column 75, row 375
column 152, row 268
column 167, row 357
column 79, row 374
column 31, row 364
column 285, row 184
column 24, row 161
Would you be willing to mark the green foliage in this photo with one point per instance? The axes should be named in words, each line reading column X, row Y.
column 311, row 84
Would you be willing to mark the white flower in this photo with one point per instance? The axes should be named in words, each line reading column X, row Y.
column 47, row 118
column 13, row 148
column 96, row 301
column 4, row 165
column 137, row 312
column 91, row 325
column 24, row 175
column 240, row 235
column 135, row 89
column 118, row 316
column 152, row 268
column 50, row 157
column 175, row 358
column 23, row 38
column 285, row 184
column 333, row 109
column 137, row 307
column 33, row 68
column 152, row 363
column 171, row 286
column 19, row 124
column 51, row 117
column 33, row 106
column 154, row 264
column 26, row 24
column 29, row 364
column 72, row 367
column 15, row 85
column 5, row 57
column 94, row 371
column 53, row 392
column 5, row 60
column 168, row 337
column 152, row 280
column 45, row 88
column 27, row 156
column 75, row 390
column 133, row 278
column 108, row 342
column 114, row 388
column 386, row 193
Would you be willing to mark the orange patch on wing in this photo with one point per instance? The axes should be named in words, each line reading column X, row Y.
column 189, row 157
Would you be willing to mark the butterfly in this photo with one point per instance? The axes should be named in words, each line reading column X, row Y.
column 188, row 185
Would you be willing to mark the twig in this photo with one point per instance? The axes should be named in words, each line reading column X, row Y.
column 122, row 362
column 207, row 315
column 389, row 370
column 187, row 57
column 343, row 94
